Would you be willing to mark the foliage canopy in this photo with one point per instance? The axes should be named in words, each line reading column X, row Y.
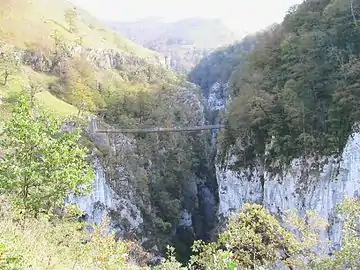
column 298, row 93
column 42, row 165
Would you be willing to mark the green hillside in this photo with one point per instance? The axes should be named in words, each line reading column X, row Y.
column 57, row 58
column 76, row 67
column 298, row 93
column 25, row 22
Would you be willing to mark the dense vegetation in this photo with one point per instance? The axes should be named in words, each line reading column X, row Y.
column 76, row 67
column 172, row 161
column 41, row 164
column 254, row 239
column 41, row 232
column 298, row 94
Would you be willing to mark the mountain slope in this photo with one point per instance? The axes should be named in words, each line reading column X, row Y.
column 82, row 70
column 50, row 48
column 24, row 22
column 298, row 94
column 292, row 139
column 202, row 33
column 184, row 42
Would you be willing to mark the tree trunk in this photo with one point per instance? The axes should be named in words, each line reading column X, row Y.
column 6, row 77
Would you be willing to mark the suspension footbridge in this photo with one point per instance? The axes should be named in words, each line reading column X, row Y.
column 154, row 129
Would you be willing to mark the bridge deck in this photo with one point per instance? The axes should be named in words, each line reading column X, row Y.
column 160, row 129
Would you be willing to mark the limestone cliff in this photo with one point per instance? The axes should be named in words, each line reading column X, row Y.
column 304, row 186
column 42, row 60
column 104, row 201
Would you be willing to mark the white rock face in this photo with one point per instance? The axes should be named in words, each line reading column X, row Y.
column 103, row 200
column 300, row 188
column 218, row 96
column 113, row 198
column 236, row 189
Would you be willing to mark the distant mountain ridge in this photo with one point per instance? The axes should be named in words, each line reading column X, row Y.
column 183, row 42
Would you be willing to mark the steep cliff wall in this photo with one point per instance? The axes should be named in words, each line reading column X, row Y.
column 114, row 194
column 292, row 99
column 304, row 186
column 104, row 202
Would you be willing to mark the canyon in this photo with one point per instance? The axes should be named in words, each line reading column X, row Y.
column 304, row 186
column 286, row 98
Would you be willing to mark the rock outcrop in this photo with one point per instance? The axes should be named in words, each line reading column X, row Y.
column 43, row 59
column 113, row 193
column 105, row 202
column 303, row 187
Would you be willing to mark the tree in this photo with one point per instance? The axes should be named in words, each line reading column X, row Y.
column 35, row 87
column 71, row 17
column 211, row 256
column 170, row 263
column 79, row 92
column 9, row 63
column 348, row 257
column 60, row 54
column 42, row 164
column 254, row 238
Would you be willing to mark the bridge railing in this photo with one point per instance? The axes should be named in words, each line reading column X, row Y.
column 99, row 127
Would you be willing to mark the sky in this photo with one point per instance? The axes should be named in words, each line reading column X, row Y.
column 238, row 15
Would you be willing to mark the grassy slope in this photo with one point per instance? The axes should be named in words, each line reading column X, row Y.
column 28, row 22
column 51, row 102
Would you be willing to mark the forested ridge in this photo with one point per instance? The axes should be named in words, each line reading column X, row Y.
column 298, row 92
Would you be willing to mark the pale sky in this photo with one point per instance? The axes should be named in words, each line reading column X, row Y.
column 244, row 15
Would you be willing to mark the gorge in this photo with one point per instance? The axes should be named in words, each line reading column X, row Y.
column 302, row 187
column 287, row 99
column 316, row 183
